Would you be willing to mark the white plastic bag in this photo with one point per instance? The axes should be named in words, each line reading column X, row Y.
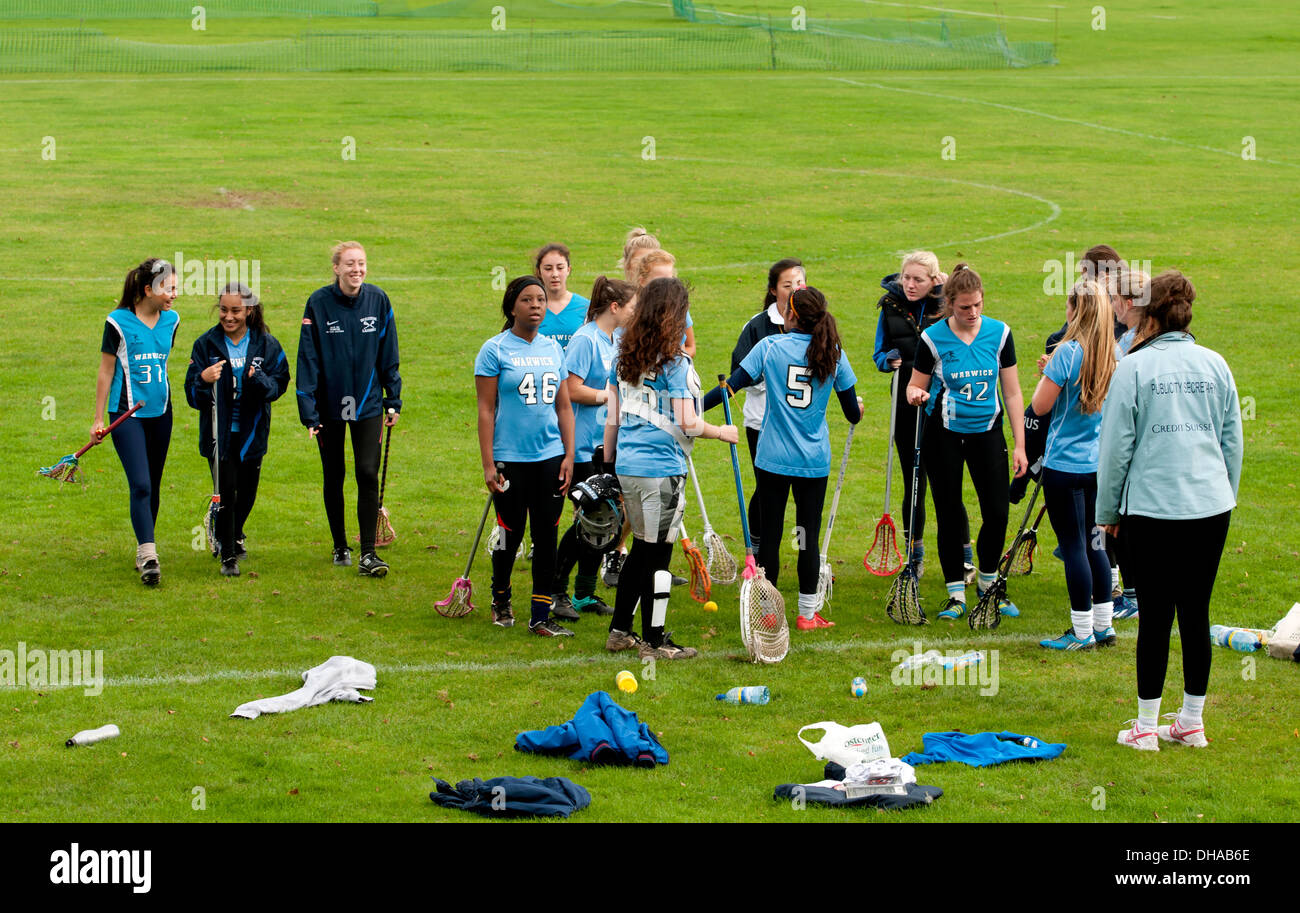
column 847, row 745
column 1286, row 635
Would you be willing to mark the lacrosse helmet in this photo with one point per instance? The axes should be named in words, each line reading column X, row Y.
column 600, row 510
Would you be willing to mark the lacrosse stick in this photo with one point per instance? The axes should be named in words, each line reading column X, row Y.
column 1024, row 564
column 987, row 613
column 384, row 533
column 700, row 582
column 763, row 627
column 68, row 469
column 721, row 566
column 904, row 605
column 214, row 506
column 883, row 559
column 825, row 578
column 458, row 603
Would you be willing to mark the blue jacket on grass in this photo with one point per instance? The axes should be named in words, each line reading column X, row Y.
column 513, row 797
column 982, row 749
column 601, row 732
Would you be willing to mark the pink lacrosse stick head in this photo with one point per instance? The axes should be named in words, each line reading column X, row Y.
column 458, row 600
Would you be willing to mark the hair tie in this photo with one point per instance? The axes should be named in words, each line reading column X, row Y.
column 790, row 304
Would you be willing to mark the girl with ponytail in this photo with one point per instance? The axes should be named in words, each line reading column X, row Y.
column 138, row 337
column 1169, row 470
column 800, row 367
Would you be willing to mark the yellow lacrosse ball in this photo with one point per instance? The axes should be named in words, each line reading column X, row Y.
column 626, row 681
column 710, row 606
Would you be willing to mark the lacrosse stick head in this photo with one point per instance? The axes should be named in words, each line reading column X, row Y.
column 883, row 558
column 1022, row 560
column 987, row 613
column 210, row 525
column 721, row 565
column 459, row 601
column 65, row 470
column 825, row 585
column 384, row 532
column 904, row 605
column 762, row 613
column 700, row 585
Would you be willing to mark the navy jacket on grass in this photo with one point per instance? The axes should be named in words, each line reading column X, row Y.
column 347, row 354
column 513, row 797
column 601, row 732
column 270, row 379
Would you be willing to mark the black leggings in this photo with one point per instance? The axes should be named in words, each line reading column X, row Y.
column 366, row 445
column 985, row 453
column 1072, row 507
column 1174, row 563
column 533, row 498
column 905, row 447
column 636, row 582
column 755, row 503
column 572, row 549
column 237, row 481
column 809, row 497
column 141, row 445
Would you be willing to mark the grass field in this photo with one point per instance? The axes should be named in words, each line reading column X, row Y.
column 1134, row 139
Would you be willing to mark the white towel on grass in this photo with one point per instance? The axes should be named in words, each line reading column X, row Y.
column 336, row 679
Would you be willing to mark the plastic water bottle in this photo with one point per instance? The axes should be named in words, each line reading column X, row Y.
column 1242, row 640
column 91, row 736
column 916, row 660
column 973, row 658
column 754, row 694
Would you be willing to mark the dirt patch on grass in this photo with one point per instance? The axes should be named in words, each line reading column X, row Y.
column 229, row 198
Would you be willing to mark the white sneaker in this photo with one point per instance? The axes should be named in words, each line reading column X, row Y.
column 1174, row 732
column 1142, row 741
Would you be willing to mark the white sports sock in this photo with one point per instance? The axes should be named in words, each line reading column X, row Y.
column 1082, row 624
column 1148, row 713
column 957, row 590
column 146, row 550
column 1189, row 717
column 1103, row 613
column 809, row 604
column 986, row 580
column 1130, row 594
column 1114, row 579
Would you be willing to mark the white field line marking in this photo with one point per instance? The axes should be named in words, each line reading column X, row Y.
column 1055, row 212
column 292, row 676
column 945, row 9
column 1055, row 117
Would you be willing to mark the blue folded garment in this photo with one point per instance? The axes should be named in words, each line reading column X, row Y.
column 601, row 732
column 982, row 749
column 513, row 797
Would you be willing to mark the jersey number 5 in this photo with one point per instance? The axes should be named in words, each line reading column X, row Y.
column 796, row 379
column 528, row 388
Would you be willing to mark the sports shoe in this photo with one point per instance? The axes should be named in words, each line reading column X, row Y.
column 666, row 650
column 613, row 565
column 679, row 581
column 969, row 573
column 150, row 572
column 240, row 551
column 1068, row 641
column 230, row 567
column 812, row 624
column 1126, row 607
column 618, row 641
column 502, row 615
column 593, row 603
column 1174, row 732
column 343, row 557
column 1105, row 637
column 371, row 565
column 548, row 628
column 1115, row 592
column 562, row 607
column 1142, row 741
column 1005, row 605
column 953, row 609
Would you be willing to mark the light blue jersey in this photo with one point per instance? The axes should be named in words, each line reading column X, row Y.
column 794, row 440
column 238, row 352
column 140, row 372
column 1125, row 342
column 589, row 355
column 644, row 449
column 563, row 325
column 528, row 380
column 1072, row 436
column 967, row 373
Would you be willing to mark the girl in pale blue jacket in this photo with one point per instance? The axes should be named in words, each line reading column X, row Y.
column 1171, row 447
